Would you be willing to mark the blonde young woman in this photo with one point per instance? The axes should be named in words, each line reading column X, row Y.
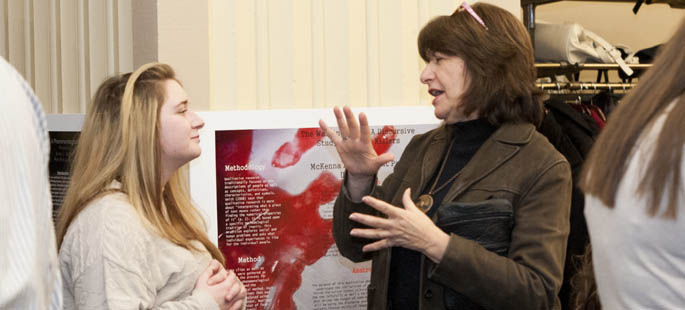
column 128, row 234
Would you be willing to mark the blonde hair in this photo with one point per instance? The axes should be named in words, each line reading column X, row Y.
column 120, row 141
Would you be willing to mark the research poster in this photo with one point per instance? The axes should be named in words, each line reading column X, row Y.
column 63, row 130
column 275, row 181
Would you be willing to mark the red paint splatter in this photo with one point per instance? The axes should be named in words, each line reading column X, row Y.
column 290, row 152
column 384, row 140
column 302, row 237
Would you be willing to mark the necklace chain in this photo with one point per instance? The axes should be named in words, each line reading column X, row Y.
column 425, row 201
column 434, row 190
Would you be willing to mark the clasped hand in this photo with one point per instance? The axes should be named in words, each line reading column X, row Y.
column 223, row 285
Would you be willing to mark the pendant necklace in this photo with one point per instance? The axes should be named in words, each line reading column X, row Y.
column 425, row 202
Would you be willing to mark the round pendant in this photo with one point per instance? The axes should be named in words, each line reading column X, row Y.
column 425, row 202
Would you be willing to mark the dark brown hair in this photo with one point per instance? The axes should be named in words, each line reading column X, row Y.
column 499, row 62
column 609, row 158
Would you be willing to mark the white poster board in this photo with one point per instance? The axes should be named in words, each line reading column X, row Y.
column 267, row 182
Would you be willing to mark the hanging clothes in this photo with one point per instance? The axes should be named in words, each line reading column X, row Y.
column 572, row 133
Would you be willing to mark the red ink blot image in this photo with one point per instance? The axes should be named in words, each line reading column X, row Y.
column 290, row 152
column 384, row 140
column 270, row 229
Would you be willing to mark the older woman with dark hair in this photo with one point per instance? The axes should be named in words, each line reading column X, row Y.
column 475, row 213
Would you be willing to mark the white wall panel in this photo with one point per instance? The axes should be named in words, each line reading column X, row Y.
column 183, row 42
column 318, row 60
column 261, row 24
column 356, row 37
column 275, row 54
column 17, row 53
column 249, row 54
column 301, row 56
column 84, row 55
column 42, row 57
column 69, row 57
column 55, row 58
column 66, row 48
column 280, row 53
column 124, row 29
column 4, row 35
column 336, row 53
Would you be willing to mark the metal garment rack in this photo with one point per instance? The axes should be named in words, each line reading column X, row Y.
column 585, row 86
column 571, row 71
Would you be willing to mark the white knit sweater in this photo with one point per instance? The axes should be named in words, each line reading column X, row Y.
column 109, row 260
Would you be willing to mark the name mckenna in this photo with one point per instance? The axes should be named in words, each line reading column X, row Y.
column 325, row 166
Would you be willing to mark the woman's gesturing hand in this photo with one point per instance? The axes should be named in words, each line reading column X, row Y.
column 407, row 227
column 354, row 144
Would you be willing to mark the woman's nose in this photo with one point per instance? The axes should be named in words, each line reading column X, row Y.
column 197, row 121
column 426, row 75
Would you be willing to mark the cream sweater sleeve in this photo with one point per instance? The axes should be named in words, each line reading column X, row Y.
column 111, row 261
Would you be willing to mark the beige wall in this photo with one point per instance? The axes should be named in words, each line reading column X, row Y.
column 268, row 54
column 65, row 48
column 262, row 54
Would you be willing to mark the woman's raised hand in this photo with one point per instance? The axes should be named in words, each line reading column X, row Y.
column 354, row 144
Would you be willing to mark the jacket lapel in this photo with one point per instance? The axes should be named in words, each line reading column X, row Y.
column 498, row 149
column 432, row 159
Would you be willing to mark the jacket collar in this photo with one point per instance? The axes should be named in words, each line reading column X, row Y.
column 498, row 149
column 514, row 133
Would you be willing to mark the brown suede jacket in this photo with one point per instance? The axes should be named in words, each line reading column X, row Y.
column 516, row 165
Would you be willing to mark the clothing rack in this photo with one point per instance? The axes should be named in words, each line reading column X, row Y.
column 572, row 71
column 585, row 86
column 552, row 69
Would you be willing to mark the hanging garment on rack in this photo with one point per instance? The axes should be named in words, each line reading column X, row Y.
column 580, row 128
column 644, row 56
column 592, row 111
column 597, row 116
column 574, row 44
column 572, row 134
column 606, row 101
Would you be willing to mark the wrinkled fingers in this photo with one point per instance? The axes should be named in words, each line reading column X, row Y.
column 378, row 245
column 364, row 129
column 342, row 123
column 370, row 220
column 352, row 125
column 371, row 233
column 330, row 133
column 381, row 206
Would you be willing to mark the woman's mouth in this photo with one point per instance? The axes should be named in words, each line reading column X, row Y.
column 435, row 92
